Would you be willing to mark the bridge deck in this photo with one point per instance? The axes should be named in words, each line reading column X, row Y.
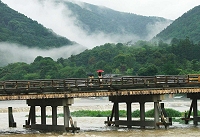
column 85, row 87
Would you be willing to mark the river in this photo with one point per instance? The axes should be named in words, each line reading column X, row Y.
column 93, row 126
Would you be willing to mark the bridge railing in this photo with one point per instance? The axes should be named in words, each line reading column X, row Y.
column 64, row 85
column 171, row 79
column 194, row 78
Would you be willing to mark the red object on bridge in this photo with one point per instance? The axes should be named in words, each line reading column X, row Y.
column 100, row 70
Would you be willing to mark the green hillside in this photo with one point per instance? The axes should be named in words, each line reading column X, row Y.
column 101, row 19
column 188, row 25
column 143, row 58
column 17, row 28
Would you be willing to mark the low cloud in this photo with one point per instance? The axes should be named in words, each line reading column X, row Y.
column 154, row 29
column 56, row 16
column 11, row 53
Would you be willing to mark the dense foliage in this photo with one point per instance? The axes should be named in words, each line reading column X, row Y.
column 101, row 19
column 142, row 58
column 122, row 113
column 96, row 113
column 170, row 113
column 17, row 28
column 185, row 26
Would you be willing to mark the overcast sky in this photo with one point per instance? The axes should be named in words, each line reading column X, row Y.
column 170, row 9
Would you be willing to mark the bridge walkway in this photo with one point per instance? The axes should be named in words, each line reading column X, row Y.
column 85, row 87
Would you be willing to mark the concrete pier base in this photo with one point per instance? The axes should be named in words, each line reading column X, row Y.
column 141, row 122
column 54, row 103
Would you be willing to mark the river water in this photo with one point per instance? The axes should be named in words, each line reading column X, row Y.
column 93, row 126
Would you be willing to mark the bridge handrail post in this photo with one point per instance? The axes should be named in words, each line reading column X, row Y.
column 15, row 85
column 28, row 85
column 52, row 83
column 175, row 79
column 76, row 85
column 40, row 84
column 111, row 81
column 4, row 85
column 64, row 84
column 133, row 80
column 178, row 79
column 166, row 79
column 155, row 80
column 144, row 80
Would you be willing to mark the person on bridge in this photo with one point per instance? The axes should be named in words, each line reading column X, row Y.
column 91, row 77
column 100, row 75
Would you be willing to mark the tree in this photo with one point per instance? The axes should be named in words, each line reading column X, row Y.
column 170, row 69
column 149, row 70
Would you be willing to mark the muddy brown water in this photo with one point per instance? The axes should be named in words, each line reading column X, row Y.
column 93, row 126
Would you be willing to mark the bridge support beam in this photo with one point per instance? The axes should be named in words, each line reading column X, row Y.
column 66, row 115
column 141, row 122
column 195, row 114
column 54, row 115
column 194, row 97
column 11, row 121
column 129, row 114
column 142, row 112
column 156, row 115
column 54, row 103
column 43, row 115
column 116, row 112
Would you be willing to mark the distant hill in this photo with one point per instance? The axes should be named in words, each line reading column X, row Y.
column 17, row 28
column 188, row 25
column 94, row 18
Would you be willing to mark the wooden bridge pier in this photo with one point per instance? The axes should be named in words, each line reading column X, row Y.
column 68, row 124
column 194, row 107
column 160, row 117
column 11, row 121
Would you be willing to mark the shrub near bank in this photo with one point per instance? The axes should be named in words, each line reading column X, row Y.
column 96, row 113
column 122, row 113
column 170, row 113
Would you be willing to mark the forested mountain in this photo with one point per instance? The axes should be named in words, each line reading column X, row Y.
column 181, row 56
column 17, row 28
column 94, row 19
column 143, row 58
column 188, row 25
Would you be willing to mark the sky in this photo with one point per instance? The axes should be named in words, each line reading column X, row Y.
column 170, row 9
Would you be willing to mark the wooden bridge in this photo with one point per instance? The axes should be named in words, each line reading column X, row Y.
column 128, row 89
column 85, row 87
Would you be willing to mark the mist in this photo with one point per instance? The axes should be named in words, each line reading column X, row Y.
column 11, row 53
column 59, row 18
column 154, row 29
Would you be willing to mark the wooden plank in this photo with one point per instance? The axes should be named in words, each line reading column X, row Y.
column 96, row 93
